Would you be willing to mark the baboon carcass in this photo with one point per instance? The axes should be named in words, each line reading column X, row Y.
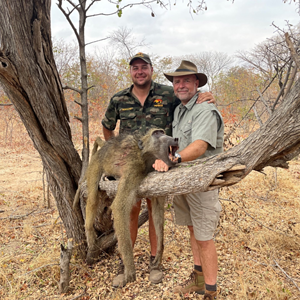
column 128, row 158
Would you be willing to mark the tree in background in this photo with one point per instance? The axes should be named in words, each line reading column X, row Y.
column 272, row 61
column 211, row 64
column 249, row 93
column 66, row 59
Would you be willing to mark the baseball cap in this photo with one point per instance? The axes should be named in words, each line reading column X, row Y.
column 143, row 56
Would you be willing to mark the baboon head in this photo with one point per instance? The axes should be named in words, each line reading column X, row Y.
column 157, row 145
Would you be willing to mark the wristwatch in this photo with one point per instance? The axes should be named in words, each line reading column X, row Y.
column 178, row 156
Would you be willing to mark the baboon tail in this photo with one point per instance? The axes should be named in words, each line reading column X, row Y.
column 98, row 143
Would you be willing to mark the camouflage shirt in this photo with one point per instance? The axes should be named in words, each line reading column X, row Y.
column 157, row 111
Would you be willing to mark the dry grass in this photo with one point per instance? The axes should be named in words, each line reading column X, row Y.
column 258, row 241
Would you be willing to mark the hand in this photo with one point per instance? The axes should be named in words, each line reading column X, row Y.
column 160, row 166
column 206, row 96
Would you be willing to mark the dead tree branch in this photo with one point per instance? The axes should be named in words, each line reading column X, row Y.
column 292, row 49
column 288, row 277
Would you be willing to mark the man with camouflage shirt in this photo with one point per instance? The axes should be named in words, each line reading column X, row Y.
column 144, row 105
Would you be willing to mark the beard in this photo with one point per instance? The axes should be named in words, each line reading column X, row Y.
column 143, row 84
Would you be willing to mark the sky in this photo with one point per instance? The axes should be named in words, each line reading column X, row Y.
column 224, row 27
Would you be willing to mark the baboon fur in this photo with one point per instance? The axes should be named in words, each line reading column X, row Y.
column 128, row 158
column 103, row 223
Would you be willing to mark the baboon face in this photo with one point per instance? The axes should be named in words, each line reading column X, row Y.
column 161, row 146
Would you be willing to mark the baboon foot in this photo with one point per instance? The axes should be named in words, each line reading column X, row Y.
column 121, row 280
column 93, row 255
column 129, row 277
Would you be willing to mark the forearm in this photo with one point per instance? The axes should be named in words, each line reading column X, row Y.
column 193, row 151
column 107, row 133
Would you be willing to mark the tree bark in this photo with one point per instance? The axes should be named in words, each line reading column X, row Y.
column 65, row 257
column 30, row 79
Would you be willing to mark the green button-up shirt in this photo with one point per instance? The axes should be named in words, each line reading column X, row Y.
column 157, row 110
column 199, row 122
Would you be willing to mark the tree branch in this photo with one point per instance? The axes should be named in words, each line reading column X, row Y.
column 97, row 41
column 123, row 7
column 67, row 87
column 90, row 87
column 67, row 15
column 290, row 278
column 292, row 49
column 281, row 92
column 77, row 102
column 78, row 118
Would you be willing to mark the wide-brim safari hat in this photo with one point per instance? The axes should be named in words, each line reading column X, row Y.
column 187, row 68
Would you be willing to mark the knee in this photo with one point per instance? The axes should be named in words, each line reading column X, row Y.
column 205, row 244
column 135, row 211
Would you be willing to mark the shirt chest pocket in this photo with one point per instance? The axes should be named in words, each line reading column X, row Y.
column 127, row 120
column 183, row 132
column 186, row 132
column 158, row 117
column 186, row 129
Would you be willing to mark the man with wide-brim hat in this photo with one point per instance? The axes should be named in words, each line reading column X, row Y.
column 187, row 68
column 200, row 130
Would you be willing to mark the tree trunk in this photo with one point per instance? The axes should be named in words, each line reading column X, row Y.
column 30, row 79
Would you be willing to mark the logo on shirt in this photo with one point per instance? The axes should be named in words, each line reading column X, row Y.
column 158, row 103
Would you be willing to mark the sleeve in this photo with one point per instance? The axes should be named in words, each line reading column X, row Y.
column 111, row 116
column 205, row 127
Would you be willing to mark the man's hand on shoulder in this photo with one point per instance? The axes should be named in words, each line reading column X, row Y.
column 206, row 96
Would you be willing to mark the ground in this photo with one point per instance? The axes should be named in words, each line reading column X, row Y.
column 258, row 240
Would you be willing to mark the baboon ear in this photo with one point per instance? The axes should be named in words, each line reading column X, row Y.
column 158, row 133
column 140, row 144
